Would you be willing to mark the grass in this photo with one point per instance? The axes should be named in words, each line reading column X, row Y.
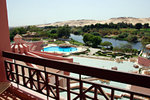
column 127, row 29
column 57, row 42
column 145, row 29
column 114, row 55
column 47, row 39
column 103, row 56
column 71, row 41
column 74, row 42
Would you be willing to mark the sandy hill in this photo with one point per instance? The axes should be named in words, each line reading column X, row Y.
column 89, row 22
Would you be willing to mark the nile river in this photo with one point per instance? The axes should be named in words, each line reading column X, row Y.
column 114, row 42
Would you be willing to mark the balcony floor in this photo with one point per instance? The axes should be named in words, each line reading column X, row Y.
column 7, row 95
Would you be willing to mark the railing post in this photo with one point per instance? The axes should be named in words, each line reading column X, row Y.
column 81, row 87
column 38, row 82
column 57, row 87
column 95, row 93
column 68, row 89
column 11, row 70
column 6, row 67
column 131, row 96
column 47, row 87
column 112, row 94
column 31, row 73
column 23, row 76
column 17, row 76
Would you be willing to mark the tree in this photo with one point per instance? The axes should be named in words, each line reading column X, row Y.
column 86, row 28
column 132, row 38
column 54, row 36
column 138, row 26
column 107, row 44
column 76, row 31
column 96, row 40
column 112, row 25
column 33, row 28
column 43, row 34
column 116, row 48
column 146, row 25
column 64, row 32
column 91, row 40
column 122, row 25
column 11, row 36
column 22, row 30
column 96, row 34
column 53, row 31
column 123, row 35
column 145, row 41
column 98, row 25
column 87, row 38
column 14, row 31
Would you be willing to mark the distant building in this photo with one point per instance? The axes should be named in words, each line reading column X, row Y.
column 144, row 59
column 30, row 35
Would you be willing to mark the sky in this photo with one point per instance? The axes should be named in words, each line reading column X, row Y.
column 34, row 12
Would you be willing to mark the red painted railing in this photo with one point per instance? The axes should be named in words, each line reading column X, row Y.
column 31, row 78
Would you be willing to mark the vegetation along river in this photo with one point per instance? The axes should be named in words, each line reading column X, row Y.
column 114, row 42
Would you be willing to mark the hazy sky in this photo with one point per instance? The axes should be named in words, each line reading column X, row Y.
column 32, row 12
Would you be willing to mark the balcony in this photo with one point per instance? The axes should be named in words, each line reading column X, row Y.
column 38, row 80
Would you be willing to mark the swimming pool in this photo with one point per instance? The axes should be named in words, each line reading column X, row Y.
column 60, row 49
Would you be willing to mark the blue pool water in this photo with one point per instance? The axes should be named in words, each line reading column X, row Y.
column 57, row 48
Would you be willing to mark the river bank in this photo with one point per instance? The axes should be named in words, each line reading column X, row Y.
column 114, row 42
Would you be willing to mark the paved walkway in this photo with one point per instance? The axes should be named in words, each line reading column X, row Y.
column 92, row 51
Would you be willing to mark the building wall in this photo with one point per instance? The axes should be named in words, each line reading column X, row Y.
column 52, row 57
column 144, row 61
column 36, row 45
column 4, row 37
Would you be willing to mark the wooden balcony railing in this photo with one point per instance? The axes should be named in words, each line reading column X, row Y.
column 38, row 79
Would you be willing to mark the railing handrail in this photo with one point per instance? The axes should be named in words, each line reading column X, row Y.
column 123, row 77
column 75, row 79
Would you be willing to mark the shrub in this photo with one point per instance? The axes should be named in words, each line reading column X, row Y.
column 103, row 48
column 114, row 56
column 127, row 56
column 122, row 58
column 88, row 50
column 36, row 39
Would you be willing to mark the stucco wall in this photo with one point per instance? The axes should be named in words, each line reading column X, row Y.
column 143, row 61
column 4, row 37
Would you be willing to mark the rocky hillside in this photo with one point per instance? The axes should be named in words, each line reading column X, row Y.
column 89, row 22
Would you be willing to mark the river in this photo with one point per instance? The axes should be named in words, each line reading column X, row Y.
column 114, row 42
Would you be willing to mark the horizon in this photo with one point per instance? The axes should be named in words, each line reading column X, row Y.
column 24, row 13
column 68, row 20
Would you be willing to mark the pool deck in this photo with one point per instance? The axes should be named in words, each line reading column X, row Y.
column 50, row 45
column 90, row 54
column 96, row 57
column 119, row 95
